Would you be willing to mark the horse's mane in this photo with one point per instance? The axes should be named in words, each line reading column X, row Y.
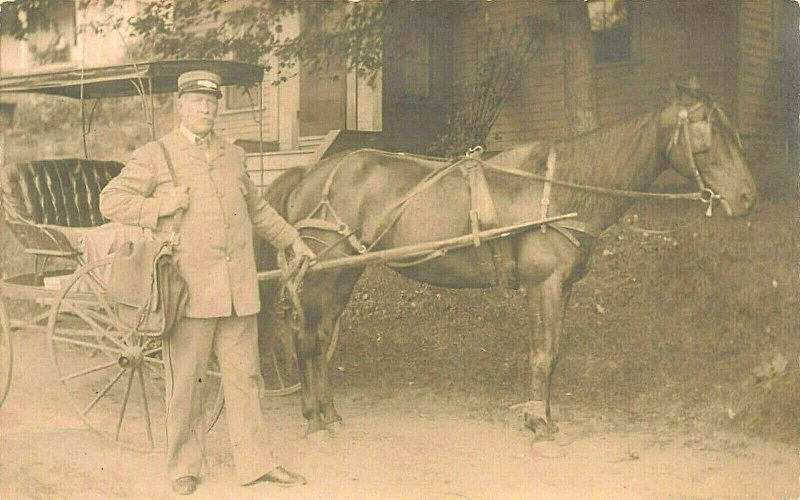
column 608, row 156
column 611, row 156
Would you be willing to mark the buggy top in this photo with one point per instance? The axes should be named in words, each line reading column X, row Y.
column 45, row 200
column 125, row 80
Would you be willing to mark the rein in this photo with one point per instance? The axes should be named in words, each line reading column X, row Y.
column 697, row 196
column 704, row 193
column 392, row 214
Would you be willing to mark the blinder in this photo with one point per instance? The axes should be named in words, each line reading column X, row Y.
column 696, row 127
column 700, row 135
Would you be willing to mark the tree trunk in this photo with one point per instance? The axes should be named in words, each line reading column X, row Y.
column 578, row 53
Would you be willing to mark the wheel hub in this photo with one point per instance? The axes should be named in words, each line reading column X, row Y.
column 131, row 357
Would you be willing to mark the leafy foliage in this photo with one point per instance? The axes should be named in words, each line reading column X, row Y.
column 21, row 18
column 255, row 31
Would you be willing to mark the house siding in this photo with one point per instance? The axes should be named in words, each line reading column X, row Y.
column 243, row 123
column 735, row 47
column 762, row 106
column 668, row 40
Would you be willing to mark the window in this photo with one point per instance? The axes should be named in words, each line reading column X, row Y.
column 239, row 98
column 611, row 30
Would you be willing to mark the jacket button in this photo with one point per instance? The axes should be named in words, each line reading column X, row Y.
column 228, row 258
column 220, row 194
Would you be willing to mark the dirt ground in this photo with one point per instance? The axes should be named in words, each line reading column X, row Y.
column 677, row 379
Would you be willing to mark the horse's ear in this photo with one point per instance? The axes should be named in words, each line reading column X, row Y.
column 691, row 89
column 694, row 84
column 674, row 90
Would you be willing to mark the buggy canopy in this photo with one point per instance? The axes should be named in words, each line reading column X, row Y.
column 125, row 80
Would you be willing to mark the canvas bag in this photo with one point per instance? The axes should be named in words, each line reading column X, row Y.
column 145, row 288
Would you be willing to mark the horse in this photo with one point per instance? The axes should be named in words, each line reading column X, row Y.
column 373, row 200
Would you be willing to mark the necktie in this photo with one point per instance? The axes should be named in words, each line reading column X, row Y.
column 203, row 142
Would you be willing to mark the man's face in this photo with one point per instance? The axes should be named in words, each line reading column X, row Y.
column 197, row 112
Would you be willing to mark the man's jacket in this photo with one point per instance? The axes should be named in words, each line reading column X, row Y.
column 215, row 250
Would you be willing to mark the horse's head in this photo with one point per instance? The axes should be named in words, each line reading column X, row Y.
column 701, row 143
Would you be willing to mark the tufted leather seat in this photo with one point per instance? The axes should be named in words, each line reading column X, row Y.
column 40, row 197
column 58, row 192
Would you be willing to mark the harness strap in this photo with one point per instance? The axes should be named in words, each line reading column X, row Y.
column 551, row 168
column 393, row 213
column 493, row 257
column 337, row 227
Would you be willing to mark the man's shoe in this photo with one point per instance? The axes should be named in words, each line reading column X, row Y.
column 282, row 477
column 184, row 485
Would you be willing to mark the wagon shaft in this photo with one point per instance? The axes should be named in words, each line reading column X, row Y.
column 421, row 249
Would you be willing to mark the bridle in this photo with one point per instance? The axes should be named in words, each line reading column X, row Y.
column 684, row 126
column 703, row 129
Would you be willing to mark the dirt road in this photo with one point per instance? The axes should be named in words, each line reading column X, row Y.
column 404, row 444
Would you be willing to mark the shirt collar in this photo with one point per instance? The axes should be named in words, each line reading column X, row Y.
column 191, row 136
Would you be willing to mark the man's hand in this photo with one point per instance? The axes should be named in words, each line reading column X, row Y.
column 300, row 250
column 177, row 197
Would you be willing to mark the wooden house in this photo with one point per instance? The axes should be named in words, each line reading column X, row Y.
column 745, row 53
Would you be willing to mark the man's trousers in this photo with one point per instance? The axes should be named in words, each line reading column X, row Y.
column 234, row 340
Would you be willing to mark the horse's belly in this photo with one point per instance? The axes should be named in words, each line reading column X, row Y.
column 457, row 269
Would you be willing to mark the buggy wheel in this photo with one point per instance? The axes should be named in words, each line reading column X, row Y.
column 113, row 376
column 6, row 352
column 279, row 367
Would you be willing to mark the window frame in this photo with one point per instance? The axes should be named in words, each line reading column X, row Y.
column 632, row 37
column 225, row 107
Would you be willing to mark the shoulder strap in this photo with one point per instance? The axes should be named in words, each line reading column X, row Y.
column 176, row 221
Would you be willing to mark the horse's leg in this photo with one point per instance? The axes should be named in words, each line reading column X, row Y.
column 324, row 300
column 306, row 344
column 326, row 407
column 547, row 301
column 337, row 298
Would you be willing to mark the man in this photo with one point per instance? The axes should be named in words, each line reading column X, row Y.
column 215, row 256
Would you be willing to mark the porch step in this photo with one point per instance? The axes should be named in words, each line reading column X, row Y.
column 311, row 142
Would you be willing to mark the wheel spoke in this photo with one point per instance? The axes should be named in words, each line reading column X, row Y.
column 146, row 408
column 68, row 340
column 88, row 371
column 124, row 405
column 102, row 393
column 81, row 326
column 106, row 320
column 159, row 362
column 92, row 323
column 152, row 351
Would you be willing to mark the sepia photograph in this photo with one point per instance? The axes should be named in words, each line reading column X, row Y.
column 400, row 249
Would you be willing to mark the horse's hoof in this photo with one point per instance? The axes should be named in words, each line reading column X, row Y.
column 336, row 428
column 331, row 417
column 314, row 427
column 542, row 429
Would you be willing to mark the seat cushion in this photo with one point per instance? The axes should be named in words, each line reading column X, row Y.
column 64, row 192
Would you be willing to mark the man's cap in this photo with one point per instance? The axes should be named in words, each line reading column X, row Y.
column 200, row 81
